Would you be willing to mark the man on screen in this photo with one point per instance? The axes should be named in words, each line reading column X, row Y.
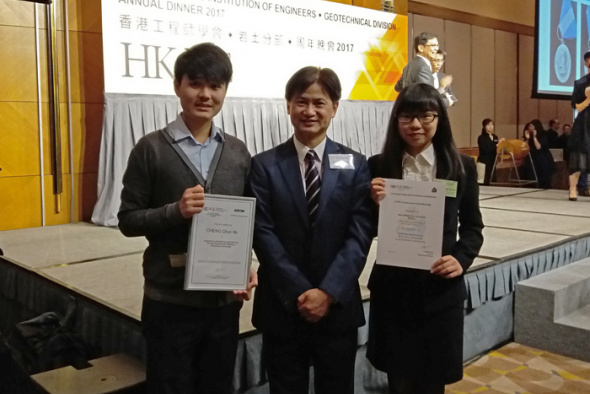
column 191, row 336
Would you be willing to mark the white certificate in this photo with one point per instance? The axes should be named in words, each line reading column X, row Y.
column 411, row 224
column 220, row 244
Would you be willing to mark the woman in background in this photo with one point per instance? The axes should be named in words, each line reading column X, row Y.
column 487, row 143
column 536, row 137
column 579, row 140
column 416, row 316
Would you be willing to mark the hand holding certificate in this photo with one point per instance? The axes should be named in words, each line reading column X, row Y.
column 220, row 244
column 411, row 219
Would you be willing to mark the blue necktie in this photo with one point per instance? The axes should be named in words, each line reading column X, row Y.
column 312, row 185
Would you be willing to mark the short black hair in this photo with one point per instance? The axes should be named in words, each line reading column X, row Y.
column 586, row 56
column 307, row 76
column 422, row 39
column 442, row 52
column 552, row 122
column 204, row 61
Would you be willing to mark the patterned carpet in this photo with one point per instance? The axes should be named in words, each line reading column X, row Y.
column 518, row 369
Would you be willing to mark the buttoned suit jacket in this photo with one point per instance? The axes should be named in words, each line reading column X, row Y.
column 416, row 71
column 294, row 257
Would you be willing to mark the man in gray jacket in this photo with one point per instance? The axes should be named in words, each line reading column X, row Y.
column 191, row 336
column 419, row 69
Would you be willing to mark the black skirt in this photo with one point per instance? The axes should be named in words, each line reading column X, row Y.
column 578, row 161
column 410, row 342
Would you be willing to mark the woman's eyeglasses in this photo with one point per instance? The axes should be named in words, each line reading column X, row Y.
column 422, row 118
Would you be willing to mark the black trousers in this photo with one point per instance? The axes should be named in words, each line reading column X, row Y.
column 190, row 350
column 287, row 361
column 399, row 385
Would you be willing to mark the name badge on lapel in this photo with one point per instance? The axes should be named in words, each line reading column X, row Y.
column 341, row 162
column 450, row 187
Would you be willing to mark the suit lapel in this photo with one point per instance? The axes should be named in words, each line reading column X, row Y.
column 289, row 166
column 329, row 178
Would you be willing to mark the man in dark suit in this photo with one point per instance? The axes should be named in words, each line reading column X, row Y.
column 442, row 82
column 312, row 235
column 419, row 69
column 553, row 133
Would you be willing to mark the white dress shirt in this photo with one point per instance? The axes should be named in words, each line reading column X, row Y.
column 302, row 151
column 436, row 81
column 420, row 168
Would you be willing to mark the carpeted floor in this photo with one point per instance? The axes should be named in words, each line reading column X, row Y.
column 518, row 369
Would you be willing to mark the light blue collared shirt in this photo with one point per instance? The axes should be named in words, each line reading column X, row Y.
column 199, row 154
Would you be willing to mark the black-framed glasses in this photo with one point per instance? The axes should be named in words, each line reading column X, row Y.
column 431, row 45
column 422, row 118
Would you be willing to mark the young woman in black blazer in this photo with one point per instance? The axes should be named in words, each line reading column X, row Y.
column 487, row 143
column 416, row 317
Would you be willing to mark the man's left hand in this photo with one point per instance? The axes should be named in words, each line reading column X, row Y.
column 314, row 304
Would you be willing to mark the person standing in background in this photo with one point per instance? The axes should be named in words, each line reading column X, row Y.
column 536, row 138
column 562, row 140
column 439, row 77
column 553, row 133
column 419, row 69
column 562, row 143
column 488, row 144
column 579, row 140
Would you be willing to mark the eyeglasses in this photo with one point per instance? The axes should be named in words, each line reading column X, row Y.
column 422, row 118
column 431, row 45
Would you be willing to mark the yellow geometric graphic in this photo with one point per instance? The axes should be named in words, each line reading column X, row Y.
column 384, row 63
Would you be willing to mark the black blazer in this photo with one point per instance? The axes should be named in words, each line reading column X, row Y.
column 579, row 140
column 414, row 289
column 487, row 148
column 293, row 258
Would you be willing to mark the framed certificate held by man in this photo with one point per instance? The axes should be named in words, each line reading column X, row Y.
column 220, row 244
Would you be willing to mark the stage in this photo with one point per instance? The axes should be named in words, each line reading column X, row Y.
column 97, row 271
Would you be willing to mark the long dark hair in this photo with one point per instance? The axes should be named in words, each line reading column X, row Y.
column 484, row 123
column 538, row 126
column 420, row 98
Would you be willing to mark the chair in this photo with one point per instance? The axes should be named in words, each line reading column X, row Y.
column 511, row 154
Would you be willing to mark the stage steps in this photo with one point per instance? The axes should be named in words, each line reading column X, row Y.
column 552, row 311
